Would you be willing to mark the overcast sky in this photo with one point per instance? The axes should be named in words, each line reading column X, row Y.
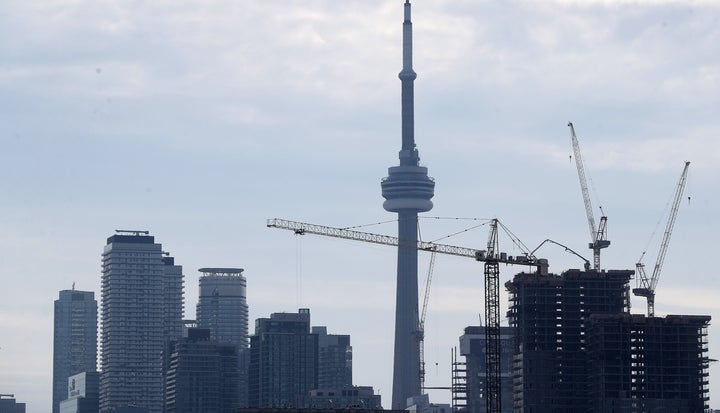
column 199, row 120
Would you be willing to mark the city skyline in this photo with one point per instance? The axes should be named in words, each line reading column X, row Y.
column 198, row 123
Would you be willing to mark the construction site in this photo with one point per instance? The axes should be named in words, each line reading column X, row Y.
column 571, row 343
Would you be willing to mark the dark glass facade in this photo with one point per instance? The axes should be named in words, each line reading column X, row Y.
column 74, row 339
column 283, row 360
column 201, row 374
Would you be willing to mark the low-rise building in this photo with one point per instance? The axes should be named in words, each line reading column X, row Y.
column 8, row 404
column 83, row 393
column 349, row 397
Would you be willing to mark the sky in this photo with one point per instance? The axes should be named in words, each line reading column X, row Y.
column 198, row 121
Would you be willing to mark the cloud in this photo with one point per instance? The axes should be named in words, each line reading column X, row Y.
column 688, row 300
column 200, row 120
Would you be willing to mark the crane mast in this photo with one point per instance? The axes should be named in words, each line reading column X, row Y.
column 421, row 329
column 647, row 286
column 598, row 236
column 492, row 321
column 491, row 256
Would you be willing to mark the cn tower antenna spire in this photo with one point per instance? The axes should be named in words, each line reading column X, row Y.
column 408, row 155
column 407, row 191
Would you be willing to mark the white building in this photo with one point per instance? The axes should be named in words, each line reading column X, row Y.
column 82, row 393
column 141, row 307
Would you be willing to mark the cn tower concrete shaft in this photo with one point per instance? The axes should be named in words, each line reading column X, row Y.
column 407, row 190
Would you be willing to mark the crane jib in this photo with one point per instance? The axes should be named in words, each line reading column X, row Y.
column 302, row 228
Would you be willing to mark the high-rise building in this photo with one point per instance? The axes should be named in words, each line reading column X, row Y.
column 648, row 364
column 550, row 316
column 283, row 360
column 201, row 374
column 74, row 341
column 473, row 346
column 407, row 190
column 222, row 308
column 173, row 299
column 289, row 358
column 334, row 359
column 141, row 304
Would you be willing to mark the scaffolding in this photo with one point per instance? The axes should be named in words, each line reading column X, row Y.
column 459, row 383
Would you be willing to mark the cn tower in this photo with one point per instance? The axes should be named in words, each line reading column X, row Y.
column 407, row 190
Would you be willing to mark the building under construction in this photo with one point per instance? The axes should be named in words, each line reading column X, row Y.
column 648, row 364
column 577, row 348
column 549, row 314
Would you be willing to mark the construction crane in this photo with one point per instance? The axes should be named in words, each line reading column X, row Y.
column 646, row 286
column 421, row 329
column 302, row 228
column 491, row 256
column 492, row 321
column 598, row 236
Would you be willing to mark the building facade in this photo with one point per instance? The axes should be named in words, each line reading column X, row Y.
column 74, row 339
column 201, row 374
column 283, row 360
column 222, row 308
column 648, row 364
column 141, row 304
column 173, row 299
column 421, row 404
column 334, row 359
column 473, row 347
column 346, row 397
column 83, row 393
column 8, row 404
column 549, row 314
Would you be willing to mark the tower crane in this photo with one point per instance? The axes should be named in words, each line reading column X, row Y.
column 421, row 329
column 598, row 236
column 491, row 256
column 492, row 321
column 646, row 287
